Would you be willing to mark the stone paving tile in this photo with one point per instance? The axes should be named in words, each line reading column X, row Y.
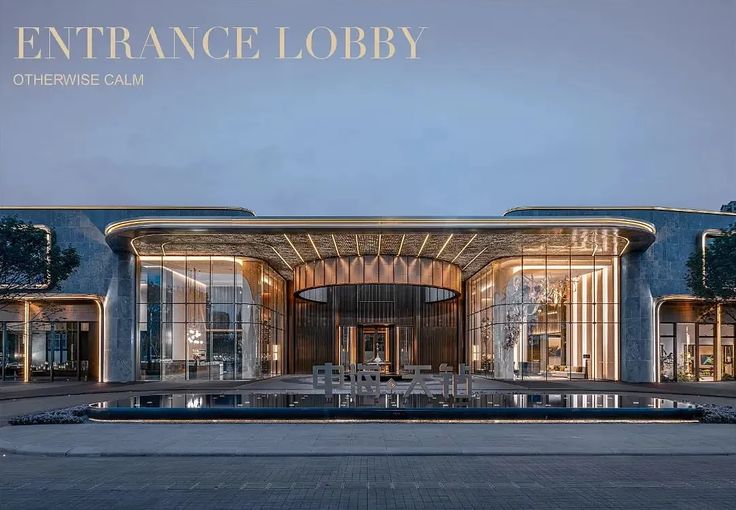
column 369, row 482
column 432, row 438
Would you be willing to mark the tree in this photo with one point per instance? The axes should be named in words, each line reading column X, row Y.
column 31, row 262
column 712, row 277
column 716, row 280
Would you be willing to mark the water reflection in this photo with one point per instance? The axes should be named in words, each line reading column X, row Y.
column 514, row 400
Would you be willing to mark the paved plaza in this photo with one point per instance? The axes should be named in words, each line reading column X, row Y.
column 460, row 482
column 362, row 465
column 366, row 439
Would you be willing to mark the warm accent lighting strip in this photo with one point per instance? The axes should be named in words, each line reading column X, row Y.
column 294, row 248
column 401, row 245
column 379, row 245
column 357, row 245
column 426, row 238
column 444, row 246
column 473, row 259
column 100, row 340
column 27, row 302
column 466, row 245
column 334, row 241
column 26, row 341
column 282, row 258
column 315, row 247
column 711, row 232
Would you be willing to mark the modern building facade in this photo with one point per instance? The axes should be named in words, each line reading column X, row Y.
column 540, row 293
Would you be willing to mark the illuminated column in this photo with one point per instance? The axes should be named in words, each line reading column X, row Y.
column 616, row 319
column 584, row 282
column 26, row 341
column 574, row 338
column 717, row 358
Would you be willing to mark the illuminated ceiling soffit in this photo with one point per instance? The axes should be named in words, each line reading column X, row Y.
column 470, row 250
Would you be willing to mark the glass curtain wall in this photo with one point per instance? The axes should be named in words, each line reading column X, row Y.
column 215, row 318
column 545, row 317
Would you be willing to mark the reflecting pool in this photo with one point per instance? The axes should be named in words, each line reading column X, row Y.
column 479, row 400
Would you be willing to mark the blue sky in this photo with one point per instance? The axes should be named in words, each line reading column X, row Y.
column 512, row 103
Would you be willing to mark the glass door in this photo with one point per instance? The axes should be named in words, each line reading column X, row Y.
column 374, row 347
column 405, row 348
column 41, row 351
column 54, row 350
column 224, row 352
column 381, row 347
column 555, row 353
column 727, row 352
column 346, row 348
column 685, row 349
column 534, row 349
column 667, row 353
column 368, row 349
column 705, row 359
column 13, row 353
column 65, row 344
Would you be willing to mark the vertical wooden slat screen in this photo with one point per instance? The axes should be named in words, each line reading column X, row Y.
column 315, row 324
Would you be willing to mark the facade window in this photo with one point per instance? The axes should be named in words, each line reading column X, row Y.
column 545, row 317
column 688, row 344
column 215, row 318
column 47, row 341
column 667, row 352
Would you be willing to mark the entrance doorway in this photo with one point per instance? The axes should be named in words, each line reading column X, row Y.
column 62, row 350
column 393, row 345
column 374, row 347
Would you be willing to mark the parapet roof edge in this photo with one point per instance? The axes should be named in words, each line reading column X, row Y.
column 616, row 208
column 130, row 207
column 377, row 222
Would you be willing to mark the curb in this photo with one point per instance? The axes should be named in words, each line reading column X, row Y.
column 336, row 453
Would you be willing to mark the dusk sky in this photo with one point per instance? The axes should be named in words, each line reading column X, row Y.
column 511, row 103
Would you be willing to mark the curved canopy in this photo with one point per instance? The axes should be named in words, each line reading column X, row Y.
column 470, row 243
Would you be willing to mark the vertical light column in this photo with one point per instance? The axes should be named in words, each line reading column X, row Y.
column 605, row 319
column 4, row 349
column 584, row 318
column 186, row 327
column 616, row 319
column 717, row 358
column 521, row 344
column 100, row 340
column 574, row 326
column 259, row 329
column 26, row 341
